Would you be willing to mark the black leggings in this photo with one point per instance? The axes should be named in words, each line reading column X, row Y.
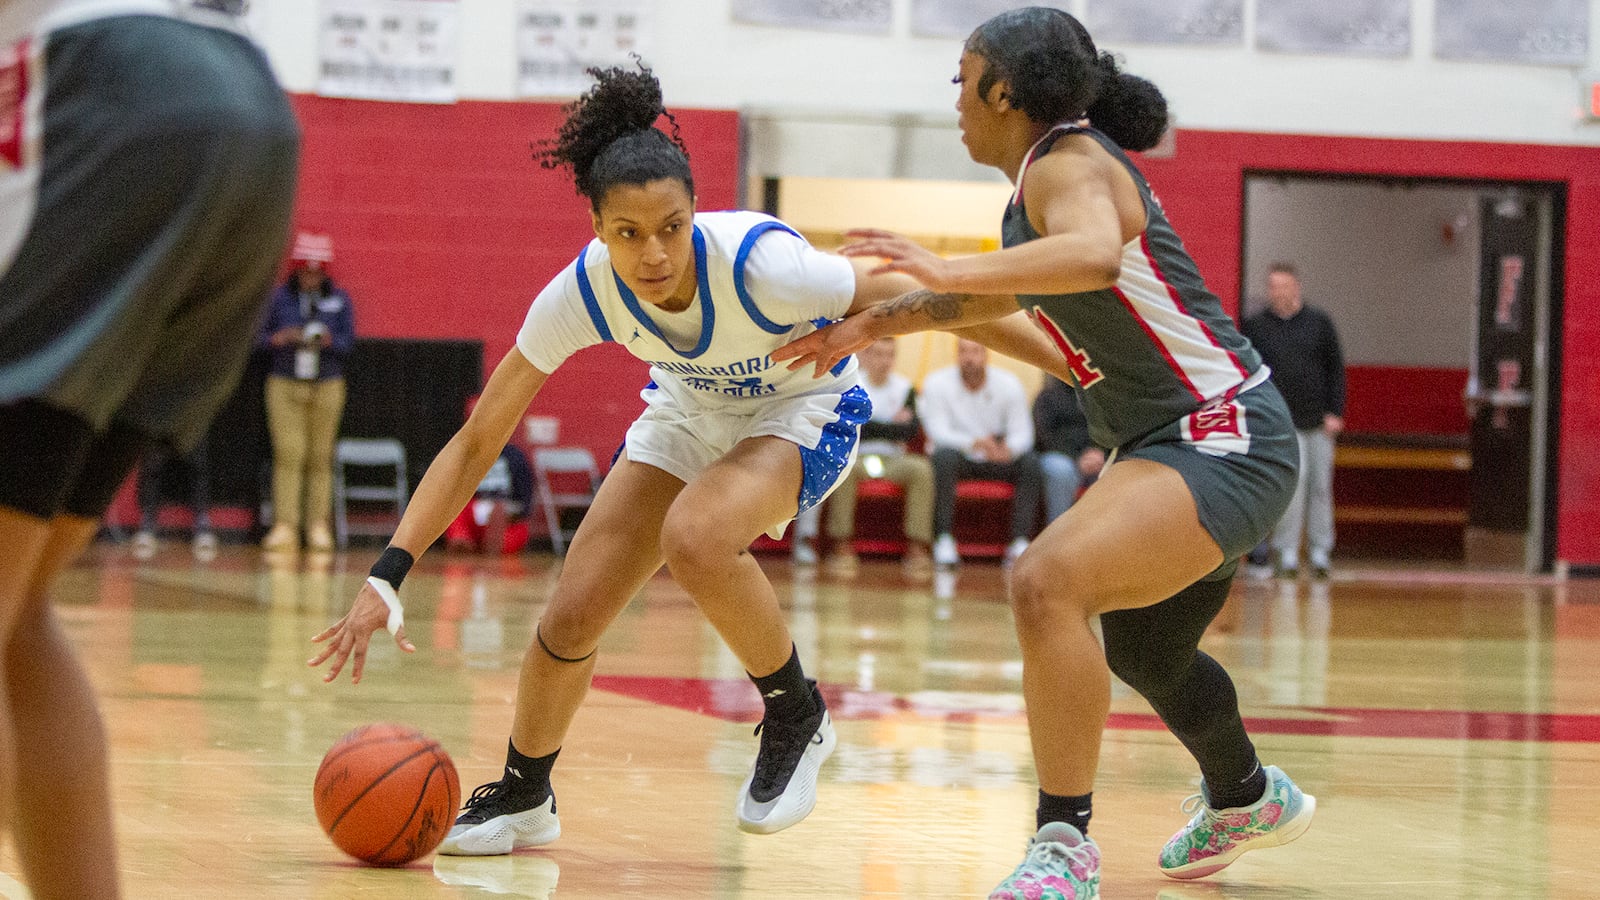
column 1155, row 650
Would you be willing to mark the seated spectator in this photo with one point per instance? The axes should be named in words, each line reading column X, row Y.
column 196, row 472
column 496, row 519
column 882, row 454
column 1069, row 460
column 978, row 425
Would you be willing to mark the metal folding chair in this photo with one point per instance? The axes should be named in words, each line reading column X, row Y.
column 566, row 465
column 392, row 490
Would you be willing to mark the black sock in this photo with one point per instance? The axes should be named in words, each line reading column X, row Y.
column 528, row 777
column 1241, row 793
column 1074, row 811
column 787, row 692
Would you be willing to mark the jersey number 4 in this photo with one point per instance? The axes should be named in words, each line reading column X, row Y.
column 1084, row 372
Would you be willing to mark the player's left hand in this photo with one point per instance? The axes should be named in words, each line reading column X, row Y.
column 350, row 635
column 827, row 345
column 901, row 254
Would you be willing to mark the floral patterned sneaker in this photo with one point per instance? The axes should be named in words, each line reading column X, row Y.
column 1062, row 864
column 1214, row 838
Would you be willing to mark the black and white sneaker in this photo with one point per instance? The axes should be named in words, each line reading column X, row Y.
column 782, row 786
column 492, row 823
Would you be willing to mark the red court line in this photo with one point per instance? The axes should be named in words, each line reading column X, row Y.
column 736, row 701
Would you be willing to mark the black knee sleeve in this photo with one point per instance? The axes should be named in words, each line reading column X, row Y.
column 1152, row 649
column 1155, row 650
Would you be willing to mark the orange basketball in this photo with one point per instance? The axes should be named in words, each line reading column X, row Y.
column 387, row 794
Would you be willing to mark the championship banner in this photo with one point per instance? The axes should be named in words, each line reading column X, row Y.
column 861, row 16
column 557, row 40
column 957, row 18
column 402, row 50
column 1541, row 32
column 1210, row 22
column 1352, row 28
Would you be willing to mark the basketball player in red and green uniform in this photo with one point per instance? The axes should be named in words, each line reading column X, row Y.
column 1205, row 453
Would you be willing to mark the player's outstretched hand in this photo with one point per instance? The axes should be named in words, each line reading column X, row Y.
column 350, row 635
column 826, row 346
column 901, row 254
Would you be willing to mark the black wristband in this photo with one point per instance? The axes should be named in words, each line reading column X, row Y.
column 393, row 565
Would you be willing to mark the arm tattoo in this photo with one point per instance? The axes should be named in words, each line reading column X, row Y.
column 937, row 307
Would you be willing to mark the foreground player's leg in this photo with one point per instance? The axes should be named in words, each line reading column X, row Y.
column 705, row 540
column 63, row 816
column 1242, row 806
column 1095, row 558
column 613, row 554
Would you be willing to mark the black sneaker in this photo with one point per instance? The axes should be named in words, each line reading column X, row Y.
column 781, row 788
column 493, row 823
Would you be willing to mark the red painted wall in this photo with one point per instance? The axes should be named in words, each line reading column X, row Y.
column 445, row 227
column 1405, row 400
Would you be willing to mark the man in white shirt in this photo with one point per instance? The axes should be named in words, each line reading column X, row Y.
column 979, row 425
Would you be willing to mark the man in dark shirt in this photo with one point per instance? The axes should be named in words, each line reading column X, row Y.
column 1300, row 344
column 1070, row 460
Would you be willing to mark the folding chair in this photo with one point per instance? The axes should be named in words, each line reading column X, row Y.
column 568, row 464
column 368, row 453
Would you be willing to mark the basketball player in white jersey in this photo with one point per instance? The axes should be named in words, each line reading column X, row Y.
column 147, row 169
column 730, row 446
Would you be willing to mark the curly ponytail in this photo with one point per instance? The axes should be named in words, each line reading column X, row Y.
column 1057, row 75
column 609, row 136
column 1128, row 109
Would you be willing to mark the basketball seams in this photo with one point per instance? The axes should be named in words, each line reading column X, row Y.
column 372, row 774
column 334, row 827
column 361, row 739
column 405, row 827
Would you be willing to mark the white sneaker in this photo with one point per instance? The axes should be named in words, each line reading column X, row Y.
column 944, row 551
column 1014, row 552
column 792, row 775
column 144, row 544
column 205, row 546
column 491, row 825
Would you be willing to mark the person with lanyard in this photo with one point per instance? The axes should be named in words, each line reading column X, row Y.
column 1205, row 453
column 730, row 445
column 310, row 331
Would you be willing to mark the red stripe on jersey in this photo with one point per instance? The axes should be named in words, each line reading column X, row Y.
column 1177, row 301
column 14, row 102
column 1155, row 341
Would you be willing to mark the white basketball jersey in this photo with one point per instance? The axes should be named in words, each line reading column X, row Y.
column 715, row 353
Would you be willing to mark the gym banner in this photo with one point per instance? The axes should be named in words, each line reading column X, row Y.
column 1352, row 28
column 558, row 40
column 861, row 16
column 1214, row 22
column 957, row 18
column 1541, row 32
column 1504, row 366
column 402, row 50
